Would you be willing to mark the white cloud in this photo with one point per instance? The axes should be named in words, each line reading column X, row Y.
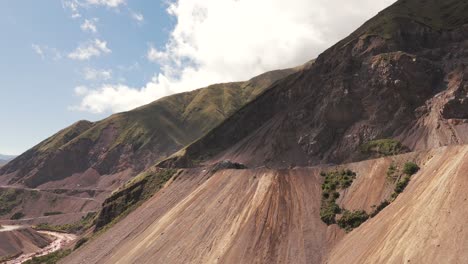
column 137, row 17
column 45, row 51
column 231, row 40
column 155, row 55
column 117, row 98
column 38, row 50
column 89, row 49
column 72, row 6
column 96, row 74
column 89, row 25
column 108, row 3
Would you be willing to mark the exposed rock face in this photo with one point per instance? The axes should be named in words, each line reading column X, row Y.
column 401, row 78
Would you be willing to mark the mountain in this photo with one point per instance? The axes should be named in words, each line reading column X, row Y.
column 4, row 159
column 359, row 158
column 401, row 76
column 124, row 144
column 74, row 171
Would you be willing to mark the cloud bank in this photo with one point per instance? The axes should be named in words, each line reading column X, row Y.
column 232, row 40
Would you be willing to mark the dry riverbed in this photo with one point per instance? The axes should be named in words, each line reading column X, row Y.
column 60, row 240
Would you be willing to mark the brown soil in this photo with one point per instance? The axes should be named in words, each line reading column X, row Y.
column 272, row 216
column 21, row 240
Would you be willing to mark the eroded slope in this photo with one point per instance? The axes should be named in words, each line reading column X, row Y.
column 273, row 216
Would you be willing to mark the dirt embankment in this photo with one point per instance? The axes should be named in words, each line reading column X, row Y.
column 21, row 243
column 273, row 216
column 17, row 240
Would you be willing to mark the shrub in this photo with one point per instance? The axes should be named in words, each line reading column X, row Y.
column 334, row 180
column 350, row 220
column 383, row 147
column 379, row 208
column 80, row 242
column 51, row 258
column 52, row 213
column 328, row 212
column 401, row 184
column 410, row 168
column 17, row 215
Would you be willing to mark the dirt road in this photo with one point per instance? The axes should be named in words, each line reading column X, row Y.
column 5, row 228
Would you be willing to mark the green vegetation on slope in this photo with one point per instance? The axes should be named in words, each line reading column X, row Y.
column 17, row 215
column 131, row 195
column 340, row 180
column 383, row 147
column 400, row 181
column 352, row 219
column 9, row 199
column 51, row 258
column 143, row 136
column 85, row 222
column 334, row 180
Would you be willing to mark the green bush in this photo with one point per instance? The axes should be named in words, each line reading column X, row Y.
column 17, row 215
column 383, row 147
column 379, row 208
column 410, row 168
column 328, row 212
column 80, row 242
column 401, row 184
column 85, row 222
column 52, row 213
column 350, row 220
column 334, row 180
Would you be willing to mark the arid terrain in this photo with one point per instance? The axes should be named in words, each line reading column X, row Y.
column 358, row 156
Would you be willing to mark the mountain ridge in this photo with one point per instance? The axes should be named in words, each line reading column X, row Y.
column 407, row 71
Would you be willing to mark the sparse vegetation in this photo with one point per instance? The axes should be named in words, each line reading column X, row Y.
column 392, row 173
column 379, row 208
column 80, row 242
column 51, row 258
column 383, row 147
column 86, row 222
column 52, row 213
column 401, row 184
column 352, row 219
column 334, row 180
column 9, row 199
column 17, row 215
column 131, row 195
column 410, row 168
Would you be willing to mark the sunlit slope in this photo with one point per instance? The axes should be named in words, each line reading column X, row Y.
column 128, row 142
column 273, row 216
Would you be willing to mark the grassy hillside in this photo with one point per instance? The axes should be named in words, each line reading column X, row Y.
column 137, row 138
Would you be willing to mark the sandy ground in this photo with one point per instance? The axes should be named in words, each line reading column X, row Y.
column 60, row 240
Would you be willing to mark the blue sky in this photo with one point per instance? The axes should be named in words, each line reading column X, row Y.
column 37, row 91
column 63, row 61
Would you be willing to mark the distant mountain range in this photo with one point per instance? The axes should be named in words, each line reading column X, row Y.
column 5, row 158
